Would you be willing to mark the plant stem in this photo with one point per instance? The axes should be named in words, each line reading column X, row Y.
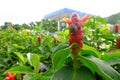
column 75, row 61
column 93, row 33
column 8, row 54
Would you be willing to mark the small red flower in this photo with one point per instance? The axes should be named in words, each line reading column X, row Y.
column 116, row 27
column 56, row 40
column 39, row 39
column 10, row 76
column 118, row 43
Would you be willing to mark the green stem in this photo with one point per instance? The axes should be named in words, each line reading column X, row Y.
column 75, row 61
column 93, row 33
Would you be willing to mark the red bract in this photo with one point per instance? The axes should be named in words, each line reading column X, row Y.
column 77, row 37
column 67, row 20
column 39, row 39
column 118, row 43
column 56, row 40
column 85, row 18
column 76, row 31
column 116, row 27
column 10, row 76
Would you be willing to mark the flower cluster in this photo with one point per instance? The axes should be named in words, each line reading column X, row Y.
column 10, row 76
column 118, row 43
column 116, row 28
column 76, row 30
column 39, row 38
column 56, row 40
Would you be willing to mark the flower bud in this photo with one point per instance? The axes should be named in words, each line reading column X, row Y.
column 39, row 39
column 10, row 76
column 118, row 43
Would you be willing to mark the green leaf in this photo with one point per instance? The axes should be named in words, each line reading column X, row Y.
column 60, row 46
column 100, row 20
column 27, row 77
column 44, row 78
column 35, row 61
column 4, row 64
column 21, row 57
column 35, row 77
column 108, row 36
column 113, row 58
column 101, row 67
column 87, row 50
column 66, row 31
column 68, row 73
column 113, row 61
column 18, row 46
column 59, row 57
column 42, row 49
column 103, row 28
column 19, row 69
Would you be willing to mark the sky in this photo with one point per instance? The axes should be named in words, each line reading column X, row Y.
column 26, row 11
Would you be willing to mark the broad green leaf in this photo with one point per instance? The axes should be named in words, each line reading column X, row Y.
column 87, row 50
column 18, row 46
column 113, row 61
column 103, row 28
column 35, row 61
column 35, row 77
column 19, row 69
column 44, row 78
column 59, row 57
column 100, row 20
column 68, row 73
column 27, row 77
column 108, row 36
column 42, row 49
column 66, row 31
column 111, row 56
column 4, row 64
column 101, row 67
column 21, row 57
column 60, row 46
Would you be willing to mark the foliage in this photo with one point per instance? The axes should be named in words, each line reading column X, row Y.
column 21, row 53
column 98, row 34
column 45, row 24
column 49, row 25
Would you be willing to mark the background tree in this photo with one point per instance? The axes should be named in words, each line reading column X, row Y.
column 25, row 26
column 113, row 19
column 17, row 26
column 49, row 25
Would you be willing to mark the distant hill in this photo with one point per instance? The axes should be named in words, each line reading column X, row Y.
column 113, row 19
column 63, row 13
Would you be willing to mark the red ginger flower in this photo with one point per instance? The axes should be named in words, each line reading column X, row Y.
column 118, row 43
column 56, row 40
column 39, row 39
column 76, row 31
column 10, row 76
column 116, row 27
